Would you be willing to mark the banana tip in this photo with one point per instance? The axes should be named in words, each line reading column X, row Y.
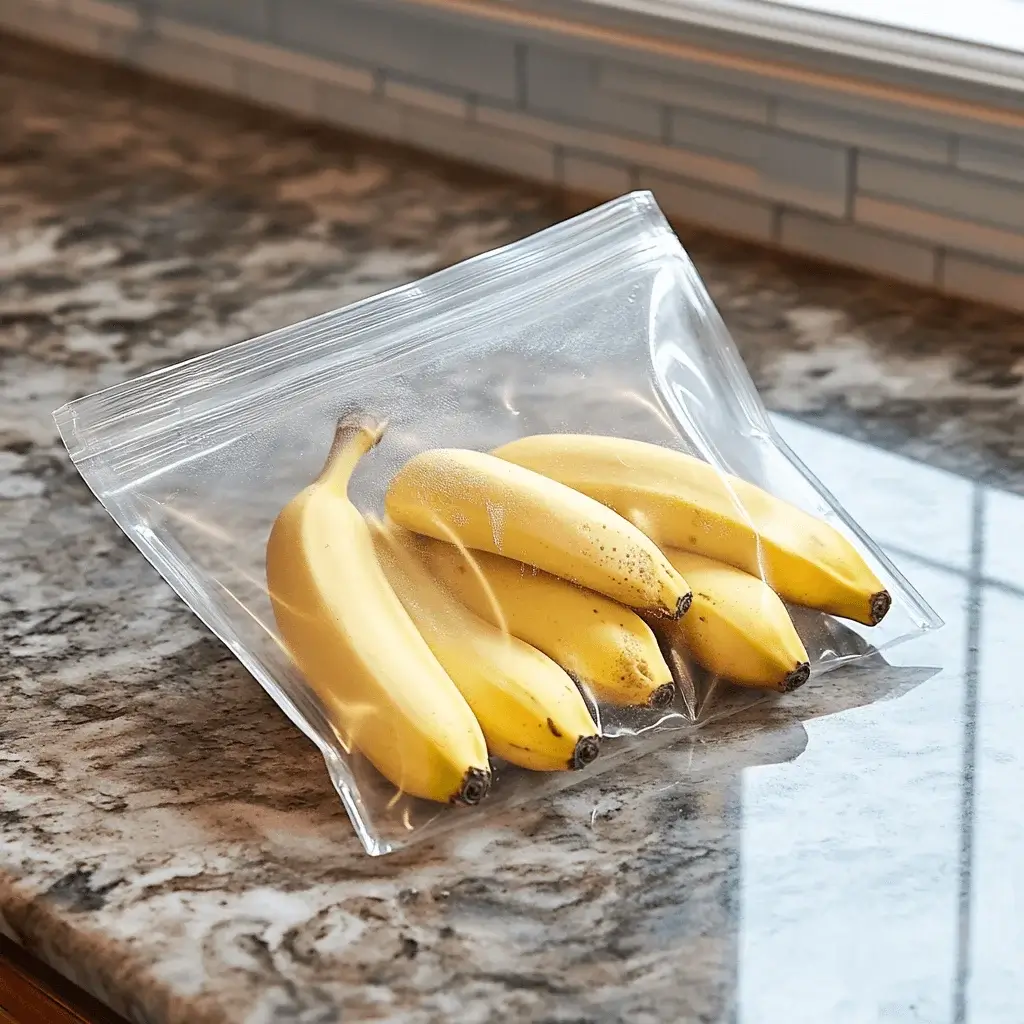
column 358, row 421
column 880, row 605
column 662, row 697
column 796, row 678
column 476, row 784
column 587, row 748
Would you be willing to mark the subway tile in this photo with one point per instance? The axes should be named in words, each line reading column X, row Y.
column 283, row 90
column 806, row 173
column 116, row 15
column 947, row 231
column 1000, row 161
column 250, row 51
column 250, row 17
column 711, row 208
column 358, row 111
column 184, row 61
column 39, row 22
column 947, row 190
column 417, row 45
column 803, row 174
column 426, row 99
column 566, row 85
column 1000, row 283
column 513, row 154
column 587, row 173
column 859, row 129
column 684, row 91
column 855, row 246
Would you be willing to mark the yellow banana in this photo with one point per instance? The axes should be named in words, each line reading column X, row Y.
column 491, row 505
column 738, row 628
column 531, row 712
column 606, row 647
column 682, row 502
column 382, row 688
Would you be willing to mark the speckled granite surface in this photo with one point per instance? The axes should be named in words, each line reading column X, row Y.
column 171, row 843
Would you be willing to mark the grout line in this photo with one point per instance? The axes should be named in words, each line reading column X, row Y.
column 522, row 89
column 559, row 165
column 940, row 266
column 852, row 157
column 954, row 150
column 666, row 124
column 775, row 232
column 771, row 112
column 970, row 749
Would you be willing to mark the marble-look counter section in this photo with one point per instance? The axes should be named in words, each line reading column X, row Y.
column 171, row 843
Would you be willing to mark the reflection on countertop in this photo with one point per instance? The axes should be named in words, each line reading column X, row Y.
column 171, row 843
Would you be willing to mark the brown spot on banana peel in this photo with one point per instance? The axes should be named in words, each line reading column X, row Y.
column 587, row 748
column 476, row 784
column 880, row 604
column 554, row 729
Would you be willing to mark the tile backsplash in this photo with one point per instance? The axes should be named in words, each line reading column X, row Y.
column 903, row 185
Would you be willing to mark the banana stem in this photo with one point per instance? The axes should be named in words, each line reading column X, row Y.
column 355, row 434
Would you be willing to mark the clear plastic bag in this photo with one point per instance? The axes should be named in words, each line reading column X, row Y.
column 599, row 325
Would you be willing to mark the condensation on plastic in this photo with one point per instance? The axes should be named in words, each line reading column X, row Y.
column 596, row 325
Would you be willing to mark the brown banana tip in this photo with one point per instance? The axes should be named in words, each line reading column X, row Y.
column 587, row 748
column 476, row 784
column 796, row 678
column 356, row 420
column 683, row 605
column 662, row 697
column 880, row 605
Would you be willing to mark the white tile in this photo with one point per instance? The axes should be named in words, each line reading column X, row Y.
column 1000, row 161
column 426, row 99
column 849, row 244
column 420, row 45
column 590, row 174
column 566, row 85
column 116, row 15
column 38, row 22
column 936, row 227
column 949, row 191
column 282, row 90
column 863, row 130
column 996, row 967
column 684, row 91
column 1003, row 550
column 711, row 208
column 1002, row 284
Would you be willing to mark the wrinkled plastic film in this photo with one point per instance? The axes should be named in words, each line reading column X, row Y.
column 599, row 325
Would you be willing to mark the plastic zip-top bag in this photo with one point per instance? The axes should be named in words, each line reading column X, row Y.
column 478, row 534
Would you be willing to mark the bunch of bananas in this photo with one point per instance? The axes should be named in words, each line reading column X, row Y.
column 508, row 595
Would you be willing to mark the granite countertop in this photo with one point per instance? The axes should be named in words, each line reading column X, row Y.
column 171, row 843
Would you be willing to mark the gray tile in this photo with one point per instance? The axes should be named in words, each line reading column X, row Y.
column 803, row 172
column 711, row 208
column 249, row 17
column 37, row 21
column 842, row 242
column 1000, row 161
column 948, row 231
column 272, row 87
column 863, row 130
column 115, row 13
column 592, row 174
column 426, row 99
column 187, row 62
column 354, row 109
column 513, row 154
column 1002, row 284
column 566, row 85
column 417, row 45
column 696, row 93
column 946, row 190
